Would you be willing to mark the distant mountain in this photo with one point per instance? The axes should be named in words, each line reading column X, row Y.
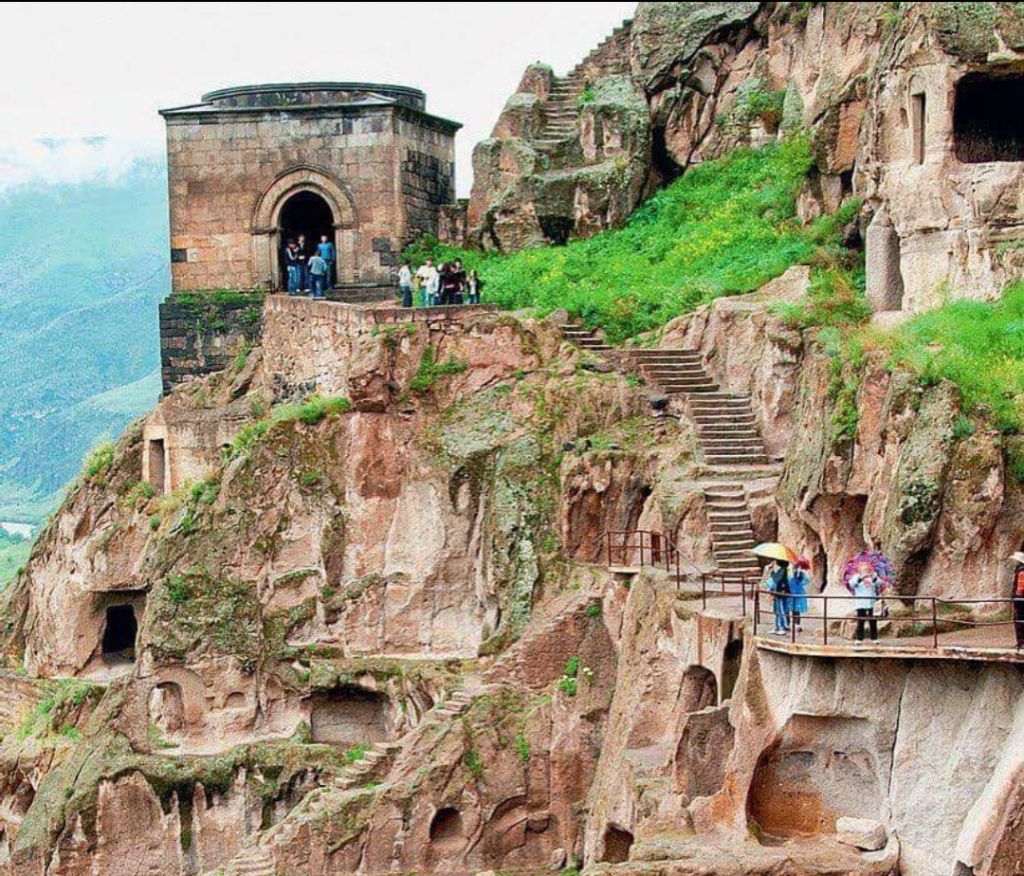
column 82, row 269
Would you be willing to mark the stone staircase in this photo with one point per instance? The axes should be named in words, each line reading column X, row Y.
column 562, row 110
column 584, row 338
column 561, row 113
column 725, row 421
column 360, row 771
column 250, row 861
column 732, row 533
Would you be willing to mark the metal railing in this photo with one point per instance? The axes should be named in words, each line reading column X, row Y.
column 932, row 619
column 644, row 548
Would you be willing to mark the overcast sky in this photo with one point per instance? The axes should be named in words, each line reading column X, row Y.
column 86, row 70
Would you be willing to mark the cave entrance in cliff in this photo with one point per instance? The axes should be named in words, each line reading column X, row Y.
column 987, row 122
column 699, row 689
column 157, row 465
column 120, row 632
column 447, row 831
column 349, row 716
column 732, row 659
column 305, row 213
column 167, row 707
column 617, row 843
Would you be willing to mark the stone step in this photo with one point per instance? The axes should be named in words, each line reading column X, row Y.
column 731, row 527
column 685, row 381
column 727, row 403
column 252, row 861
column 724, row 511
column 730, row 462
column 727, row 431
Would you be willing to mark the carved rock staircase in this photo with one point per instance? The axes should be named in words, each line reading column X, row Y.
column 725, row 421
column 584, row 338
column 732, row 532
column 255, row 860
column 562, row 110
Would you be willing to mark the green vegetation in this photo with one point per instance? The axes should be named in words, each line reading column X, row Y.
column 49, row 718
column 356, row 752
column 309, row 412
column 430, row 370
column 569, row 682
column 724, row 228
column 977, row 345
column 98, row 460
column 523, row 747
column 14, row 551
column 474, row 763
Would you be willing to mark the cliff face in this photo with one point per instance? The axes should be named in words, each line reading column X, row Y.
column 377, row 631
column 894, row 99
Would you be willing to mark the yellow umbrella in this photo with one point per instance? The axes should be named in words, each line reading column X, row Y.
column 772, row 550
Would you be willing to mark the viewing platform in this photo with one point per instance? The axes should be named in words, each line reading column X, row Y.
column 911, row 627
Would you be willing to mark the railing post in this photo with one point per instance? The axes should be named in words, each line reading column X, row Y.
column 704, row 590
column 824, row 621
column 757, row 608
column 935, row 624
column 743, row 596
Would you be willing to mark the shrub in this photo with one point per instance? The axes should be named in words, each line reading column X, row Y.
column 309, row 412
column 431, row 370
column 523, row 747
column 99, row 460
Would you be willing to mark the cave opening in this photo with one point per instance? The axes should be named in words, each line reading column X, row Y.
column 987, row 123
column 617, row 843
column 732, row 659
column 446, row 828
column 349, row 715
column 120, row 632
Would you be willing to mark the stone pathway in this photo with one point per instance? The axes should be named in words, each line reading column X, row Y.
column 732, row 533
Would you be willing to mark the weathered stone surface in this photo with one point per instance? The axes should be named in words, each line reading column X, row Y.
column 861, row 833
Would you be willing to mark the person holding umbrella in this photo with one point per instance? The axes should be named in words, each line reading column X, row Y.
column 866, row 586
column 867, row 575
column 776, row 582
column 1017, row 595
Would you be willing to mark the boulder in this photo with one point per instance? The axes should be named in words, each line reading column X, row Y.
column 862, row 833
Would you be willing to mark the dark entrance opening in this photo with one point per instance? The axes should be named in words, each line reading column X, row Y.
column 120, row 632
column 617, row 843
column 987, row 122
column 732, row 660
column 157, row 466
column 305, row 214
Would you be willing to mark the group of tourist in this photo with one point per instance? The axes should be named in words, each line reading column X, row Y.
column 449, row 283
column 789, row 583
column 310, row 271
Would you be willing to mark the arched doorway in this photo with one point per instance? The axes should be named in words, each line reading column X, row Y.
column 305, row 213
column 311, row 201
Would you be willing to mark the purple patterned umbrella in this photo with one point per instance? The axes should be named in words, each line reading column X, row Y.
column 879, row 564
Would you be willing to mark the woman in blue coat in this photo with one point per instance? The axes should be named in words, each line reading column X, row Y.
column 799, row 584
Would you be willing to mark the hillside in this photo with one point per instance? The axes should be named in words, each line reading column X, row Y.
column 83, row 269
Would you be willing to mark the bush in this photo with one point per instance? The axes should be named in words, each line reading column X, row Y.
column 725, row 227
column 309, row 412
column 431, row 370
column 99, row 460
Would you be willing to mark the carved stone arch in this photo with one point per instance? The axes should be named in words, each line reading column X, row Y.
column 266, row 235
column 304, row 178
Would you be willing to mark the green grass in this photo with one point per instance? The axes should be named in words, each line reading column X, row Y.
column 430, row 370
column 977, row 345
column 724, row 228
column 98, row 460
column 14, row 552
column 309, row 412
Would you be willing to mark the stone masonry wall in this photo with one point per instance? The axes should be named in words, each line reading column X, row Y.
column 379, row 168
column 197, row 338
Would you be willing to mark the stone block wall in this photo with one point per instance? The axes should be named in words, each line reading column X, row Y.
column 382, row 169
column 202, row 334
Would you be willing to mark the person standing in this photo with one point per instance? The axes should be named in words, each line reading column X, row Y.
column 777, row 584
column 318, row 274
column 291, row 264
column 428, row 279
column 303, row 263
column 865, row 587
column 458, row 277
column 1017, row 595
column 405, row 284
column 474, row 285
column 325, row 249
column 799, row 584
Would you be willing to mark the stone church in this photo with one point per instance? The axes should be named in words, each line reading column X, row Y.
column 252, row 166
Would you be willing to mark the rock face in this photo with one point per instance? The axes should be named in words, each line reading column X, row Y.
column 901, row 105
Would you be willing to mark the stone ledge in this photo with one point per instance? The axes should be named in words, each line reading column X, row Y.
column 892, row 652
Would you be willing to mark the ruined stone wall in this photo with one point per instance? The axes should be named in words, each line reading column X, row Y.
column 198, row 337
